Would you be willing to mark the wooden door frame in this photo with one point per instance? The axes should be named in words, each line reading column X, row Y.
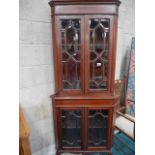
column 57, row 54
column 58, row 110
column 109, row 128
column 111, row 56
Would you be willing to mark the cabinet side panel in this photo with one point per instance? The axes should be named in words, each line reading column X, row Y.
column 110, row 128
column 115, row 27
column 55, row 54
column 55, row 120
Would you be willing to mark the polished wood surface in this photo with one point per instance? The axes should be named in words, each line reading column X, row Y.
column 85, row 103
column 82, row 9
column 24, row 132
column 75, row 2
column 85, row 55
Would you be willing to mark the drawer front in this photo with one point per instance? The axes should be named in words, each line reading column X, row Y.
column 84, row 103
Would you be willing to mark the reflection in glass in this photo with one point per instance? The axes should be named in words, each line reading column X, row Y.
column 71, row 128
column 71, row 55
column 99, row 51
column 98, row 127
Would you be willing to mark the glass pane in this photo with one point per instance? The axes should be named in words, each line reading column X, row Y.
column 99, row 51
column 98, row 128
column 71, row 128
column 71, row 54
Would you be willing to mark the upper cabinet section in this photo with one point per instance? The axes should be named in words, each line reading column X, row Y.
column 84, row 43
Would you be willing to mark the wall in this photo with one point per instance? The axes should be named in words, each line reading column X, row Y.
column 126, row 30
column 36, row 66
column 36, row 73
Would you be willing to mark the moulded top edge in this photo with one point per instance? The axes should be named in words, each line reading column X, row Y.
column 85, row 97
column 74, row 2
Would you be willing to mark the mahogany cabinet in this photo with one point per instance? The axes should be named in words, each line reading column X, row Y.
column 84, row 48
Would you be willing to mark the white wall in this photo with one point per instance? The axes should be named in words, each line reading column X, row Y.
column 36, row 73
column 126, row 30
column 36, row 66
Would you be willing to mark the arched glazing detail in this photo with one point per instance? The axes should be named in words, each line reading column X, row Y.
column 71, row 128
column 99, row 51
column 98, row 128
column 71, row 54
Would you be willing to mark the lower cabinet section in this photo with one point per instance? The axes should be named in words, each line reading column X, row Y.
column 84, row 128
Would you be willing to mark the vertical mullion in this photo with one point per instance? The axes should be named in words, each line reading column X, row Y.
column 87, row 61
column 76, row 67
column 65, row 39
column 104, row 42
column 82, row 53
column 60, row 127
column 93, row 44
column 66, row 70
column 112, row 57
column 82, row 129
column 93, row 71
column 110, row 122
column 102, row 71
column 86, row 128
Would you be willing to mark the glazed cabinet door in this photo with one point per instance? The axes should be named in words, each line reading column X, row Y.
column 98, row 128
column 69, row 54
column 99, row 53
column 70, row 128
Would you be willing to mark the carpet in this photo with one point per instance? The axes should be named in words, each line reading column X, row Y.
column 122, row 145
